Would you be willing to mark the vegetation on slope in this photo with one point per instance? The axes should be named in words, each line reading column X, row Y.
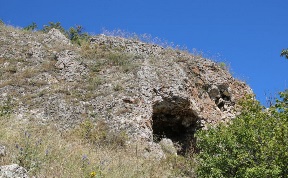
column 88, row 150
column 252, row 145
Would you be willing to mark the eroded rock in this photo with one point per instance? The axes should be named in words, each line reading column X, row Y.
column 155, row 94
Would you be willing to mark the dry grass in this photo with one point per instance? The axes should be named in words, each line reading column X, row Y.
column 81, row 152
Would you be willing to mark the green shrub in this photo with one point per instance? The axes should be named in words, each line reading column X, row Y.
column 31, row 27
column 57, row 25
column 77, row 36
column 252, row 145
column 222, row 65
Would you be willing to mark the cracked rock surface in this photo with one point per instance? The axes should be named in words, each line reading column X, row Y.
column 143, row 89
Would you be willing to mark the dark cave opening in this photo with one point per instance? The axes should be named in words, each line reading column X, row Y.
column 180, row 127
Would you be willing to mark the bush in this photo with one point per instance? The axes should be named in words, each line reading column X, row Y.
column 31, row 27
column 252, row 145
column 77, row 36
column 56, row 25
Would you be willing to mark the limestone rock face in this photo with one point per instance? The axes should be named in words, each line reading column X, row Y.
column 13, row 171
column 148, row 91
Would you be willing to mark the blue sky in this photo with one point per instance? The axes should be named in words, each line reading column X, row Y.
column 248, row 35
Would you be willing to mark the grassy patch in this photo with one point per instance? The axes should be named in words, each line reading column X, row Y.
column 90, row 150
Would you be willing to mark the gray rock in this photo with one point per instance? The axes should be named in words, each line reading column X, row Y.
column 56, row 35
column 214, row 92
column 168, row 146
column 13, row 171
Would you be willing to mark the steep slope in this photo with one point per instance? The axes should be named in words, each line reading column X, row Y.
column 145, row 90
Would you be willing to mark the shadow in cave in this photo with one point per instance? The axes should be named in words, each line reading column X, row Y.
column 177, row 124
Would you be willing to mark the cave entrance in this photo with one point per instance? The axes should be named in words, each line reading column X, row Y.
column 176, row 122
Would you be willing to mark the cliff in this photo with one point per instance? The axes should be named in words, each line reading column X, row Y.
column 147, row 91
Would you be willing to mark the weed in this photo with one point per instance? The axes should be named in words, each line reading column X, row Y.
column 97, row 67
column 28, row 153
column 118, row 87
column 28, row 73
column 222, row 65
column 48, row 66
column 98, row 133
column 90, row 150
column 6, row 107
column 93, row 133
column 94, row 82
column 118, row 59
column 146, row 38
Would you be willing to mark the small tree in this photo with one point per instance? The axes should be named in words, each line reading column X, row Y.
column 255, row 144
column 77, row 36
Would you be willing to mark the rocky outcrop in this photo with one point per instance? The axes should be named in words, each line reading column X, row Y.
column 13, row 171
column 148, row 91
column 128, row 46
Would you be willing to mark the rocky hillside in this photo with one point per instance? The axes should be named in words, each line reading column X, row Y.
column 147, row 91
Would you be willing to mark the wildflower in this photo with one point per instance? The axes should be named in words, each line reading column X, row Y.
column 84, row 157
column 93, row 174
column 46, row 152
